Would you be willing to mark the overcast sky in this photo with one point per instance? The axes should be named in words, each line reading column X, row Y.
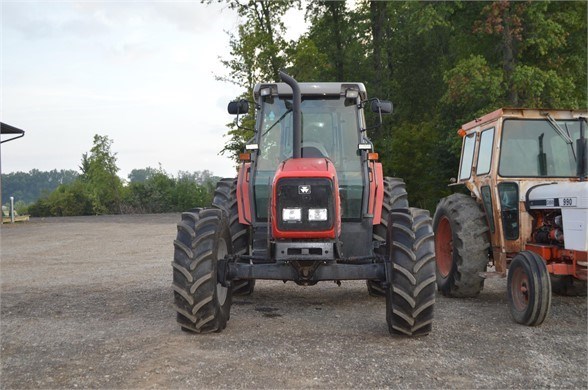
column 141, row 73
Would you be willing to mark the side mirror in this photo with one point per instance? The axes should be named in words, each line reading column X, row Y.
column 239, row 107
column 381, row 106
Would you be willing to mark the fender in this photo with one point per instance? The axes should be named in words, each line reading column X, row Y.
column 243, row 201
column 376, row 183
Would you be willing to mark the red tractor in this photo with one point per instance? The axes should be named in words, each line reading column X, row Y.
column 310, row 204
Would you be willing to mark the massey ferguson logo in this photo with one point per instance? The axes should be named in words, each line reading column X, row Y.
column 303, row 190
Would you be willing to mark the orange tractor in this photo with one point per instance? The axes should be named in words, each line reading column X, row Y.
column 527, row 211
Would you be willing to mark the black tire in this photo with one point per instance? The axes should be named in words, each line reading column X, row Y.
column 529, row 289
column 395, row 197
column 410, row 297
column 201, row 303
column 568, row 286
column 462, row 245
column 225, row 198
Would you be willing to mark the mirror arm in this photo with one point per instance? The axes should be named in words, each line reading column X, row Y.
column 257, row 107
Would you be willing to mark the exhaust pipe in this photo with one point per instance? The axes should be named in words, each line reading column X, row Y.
column 296, row 118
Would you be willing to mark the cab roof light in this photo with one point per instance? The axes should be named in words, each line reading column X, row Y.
column 351, row 94
column 461, row 133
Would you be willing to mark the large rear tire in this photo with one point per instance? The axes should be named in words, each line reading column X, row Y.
column 225, row 198
column 529, row 289
column 395, row 197
column 461, row 246
column 202, row 304
column 410, row 297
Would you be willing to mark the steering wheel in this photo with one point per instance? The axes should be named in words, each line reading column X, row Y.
column 319, row 147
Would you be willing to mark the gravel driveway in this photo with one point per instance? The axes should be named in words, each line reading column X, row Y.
column 87, row 302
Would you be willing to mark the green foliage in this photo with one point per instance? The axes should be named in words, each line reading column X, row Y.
column 99, row 172
column 67, row 200
column 141, row 175
column 98, row 190
column 472, row 87
column 161, row 193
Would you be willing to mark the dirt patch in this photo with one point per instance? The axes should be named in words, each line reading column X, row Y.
column 87, row 302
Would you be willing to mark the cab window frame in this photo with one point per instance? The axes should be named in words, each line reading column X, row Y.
column 466, row 143
column 481, row 149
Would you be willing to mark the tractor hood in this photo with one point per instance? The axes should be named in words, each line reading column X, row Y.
column 300, row 166
column 306, row 185
column 558, row 195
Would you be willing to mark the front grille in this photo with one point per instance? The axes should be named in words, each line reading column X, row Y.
column 305, row 194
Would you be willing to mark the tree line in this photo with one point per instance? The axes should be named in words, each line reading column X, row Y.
column 28, row 187
column 99, row 190
column 441, row 63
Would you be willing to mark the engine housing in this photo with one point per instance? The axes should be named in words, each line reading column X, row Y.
column 572, row 200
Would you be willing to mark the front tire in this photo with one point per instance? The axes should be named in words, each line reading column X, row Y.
column 529, row 289
column 461, row 246
column 202, row 304
column 225, row 198
column 395, row 197
column 410, row 297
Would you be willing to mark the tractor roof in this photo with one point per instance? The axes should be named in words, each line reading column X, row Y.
column 312, row 89
column 527, row 113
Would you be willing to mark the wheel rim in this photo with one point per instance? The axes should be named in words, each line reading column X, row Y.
column 519, row 287
column 221, row 292
column 444, row 247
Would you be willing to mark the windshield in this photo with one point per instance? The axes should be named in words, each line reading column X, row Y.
column 535, row 148
column 329, row 129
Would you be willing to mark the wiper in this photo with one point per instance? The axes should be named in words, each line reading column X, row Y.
column 564, row 134
column 571, row 144
column 558, row 129
column 278, row 121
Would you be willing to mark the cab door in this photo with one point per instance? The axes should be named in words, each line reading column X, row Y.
column 484, row 171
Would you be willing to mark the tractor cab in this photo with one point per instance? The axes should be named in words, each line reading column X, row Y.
column 332, row 136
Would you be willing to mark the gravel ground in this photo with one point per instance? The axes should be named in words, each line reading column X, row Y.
column 86, row 302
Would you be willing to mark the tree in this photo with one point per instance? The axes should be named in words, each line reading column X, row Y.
column 100, row 173
column 533, row 40
column 141, row 175
column 329, row 34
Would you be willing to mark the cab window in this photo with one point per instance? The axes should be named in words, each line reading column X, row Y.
column 467, row 156
column 485, row 152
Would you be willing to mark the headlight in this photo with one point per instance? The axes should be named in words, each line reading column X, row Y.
column 291, row 215
column 317, row 214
